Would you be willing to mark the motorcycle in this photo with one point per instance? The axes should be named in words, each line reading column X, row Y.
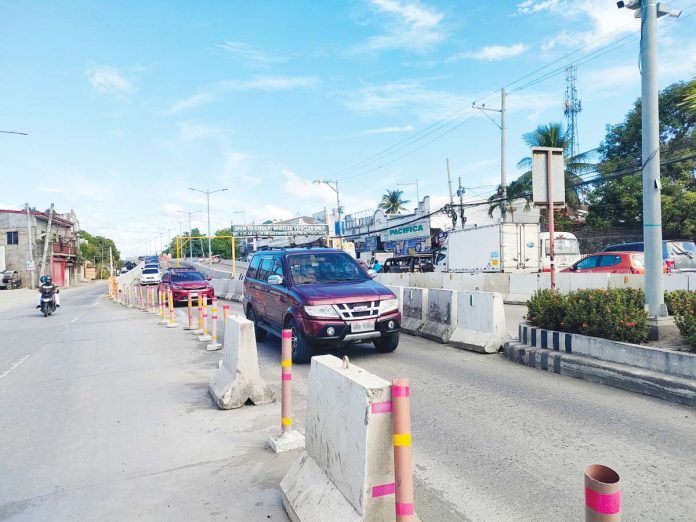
column 48, row 302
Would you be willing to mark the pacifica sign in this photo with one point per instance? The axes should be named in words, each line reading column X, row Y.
column 414, row 230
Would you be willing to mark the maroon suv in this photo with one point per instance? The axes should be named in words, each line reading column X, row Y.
column 323, row 295
column 185, row 281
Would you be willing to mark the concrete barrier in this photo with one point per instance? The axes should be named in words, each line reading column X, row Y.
column 464, row 282
column 626, row 281
column 220, row 287
column 441, row 317
column 426, row 280
column 676, row 281
column 522, row 286
column 238, row 379
column 414, row 309
column 399, row 293
column 480, row 322
column 400, row 279
column 346, row 472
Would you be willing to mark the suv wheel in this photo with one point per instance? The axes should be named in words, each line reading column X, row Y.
column 387, row 344
column 301, row 348
column 258, row 331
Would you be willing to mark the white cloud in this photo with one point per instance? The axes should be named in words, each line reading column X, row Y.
column 411, row 26
column 272, row 212
column 605, row 21
column 305, row 189
column 493, row 53
column 171, row 210
column 250, row 54
column 108, row 80
column 192, row 101
column 391, row 130
column 272, row 83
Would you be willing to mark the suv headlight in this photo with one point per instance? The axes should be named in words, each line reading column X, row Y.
column 321, row 311
column 388, row 305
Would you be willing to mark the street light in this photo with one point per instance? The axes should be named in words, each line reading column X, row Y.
column 208, row 192
column 189, row 212
column 503, row 136
column 338, row 205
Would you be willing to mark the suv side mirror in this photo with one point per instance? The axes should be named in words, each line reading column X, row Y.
column 275, row 279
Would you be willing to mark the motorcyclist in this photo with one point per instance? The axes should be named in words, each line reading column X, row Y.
column 47, row 285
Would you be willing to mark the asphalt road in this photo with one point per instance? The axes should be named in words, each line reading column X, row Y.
column 106, row 415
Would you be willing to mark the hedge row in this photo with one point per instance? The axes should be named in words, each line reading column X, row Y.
column 682, row 305
column 615, row 314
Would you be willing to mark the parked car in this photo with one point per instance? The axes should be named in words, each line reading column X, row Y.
column 185, row 281
column 414, row 263
column 124, row 270
column 150, row 276
column 323, row 296
column 10, row 279
column 610, row 262
column 679, row 256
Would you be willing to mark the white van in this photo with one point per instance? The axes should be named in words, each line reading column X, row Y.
column 566, row 248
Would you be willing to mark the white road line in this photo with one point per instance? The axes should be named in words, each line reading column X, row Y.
column 14, row 366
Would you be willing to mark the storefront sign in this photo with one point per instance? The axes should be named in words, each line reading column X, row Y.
column 279, row 230
column 406, row 229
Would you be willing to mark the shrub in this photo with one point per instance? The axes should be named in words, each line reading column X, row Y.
column 546, row 309
column 682, row 305
column 615, row 314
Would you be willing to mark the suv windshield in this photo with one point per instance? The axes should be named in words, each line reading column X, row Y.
column 330, row 267
column 183, row 277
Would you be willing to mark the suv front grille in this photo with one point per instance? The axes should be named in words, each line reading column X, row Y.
column 349, row 311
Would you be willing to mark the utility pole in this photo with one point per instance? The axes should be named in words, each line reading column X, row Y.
column 449, row 184
column 652, row 186
column 208, row 192
column 338, row 205
column 31, row 250
column 460, row 193
column 503, row 144
column 46, row 241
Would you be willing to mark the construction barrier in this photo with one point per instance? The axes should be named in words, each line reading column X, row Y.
column 415, row 306
column 289, row 439
column 238, row 379
column 602, row 494
column 346, row 472
column 480, row 322
column 441, row 316
column 403, row 453
column 214, row 345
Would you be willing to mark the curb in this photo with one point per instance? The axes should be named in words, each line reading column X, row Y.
column 655, row 384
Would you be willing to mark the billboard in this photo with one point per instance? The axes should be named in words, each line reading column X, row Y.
column 280, row 230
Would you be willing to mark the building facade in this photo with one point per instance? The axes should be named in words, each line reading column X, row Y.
column 53, row 251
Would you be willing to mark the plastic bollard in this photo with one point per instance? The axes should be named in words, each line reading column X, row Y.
column 205, row 336
column 602, row 494
column 286, row 381
column 172, row 319
column 199, row 330
column 403, row 451
column 189, row 310
column 225, row 311
column 163, row 317
column 214, row 345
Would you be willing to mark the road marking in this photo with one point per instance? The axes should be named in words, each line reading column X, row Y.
column 14, row 366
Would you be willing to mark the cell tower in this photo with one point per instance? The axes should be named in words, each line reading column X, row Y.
column 571, row 107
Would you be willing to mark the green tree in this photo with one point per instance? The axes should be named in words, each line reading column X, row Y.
column 96, row 250
column 550, row 135
column 392, row 202
column 618, row 201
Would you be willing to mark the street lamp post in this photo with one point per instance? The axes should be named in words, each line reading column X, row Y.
column 334, row 187
column 189, row 212
column 208, row 192
column 503, row 136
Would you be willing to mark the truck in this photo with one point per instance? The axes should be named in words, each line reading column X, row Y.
column 566, row 250
column 501, row 247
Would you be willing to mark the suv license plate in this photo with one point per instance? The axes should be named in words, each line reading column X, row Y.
column 362, row 326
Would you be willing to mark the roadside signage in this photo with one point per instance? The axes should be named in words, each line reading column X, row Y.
column 280, row 230
column 30, row 266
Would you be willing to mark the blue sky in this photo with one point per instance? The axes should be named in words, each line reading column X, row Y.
column 127, row 104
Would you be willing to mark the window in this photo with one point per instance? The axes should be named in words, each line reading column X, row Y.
column 265, row 269
column 187, row 277
column 278, row 266
column 254, row 266
column 587, row 263
column 609, row 260
column 13, row 238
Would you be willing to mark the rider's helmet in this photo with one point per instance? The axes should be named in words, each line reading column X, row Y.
column 49, row 280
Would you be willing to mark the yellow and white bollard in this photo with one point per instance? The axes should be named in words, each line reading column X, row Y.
column 205, row 336
column 199, row 310
column 163, row 316
column 172, row 320
column 214, row 345
column 189, row 311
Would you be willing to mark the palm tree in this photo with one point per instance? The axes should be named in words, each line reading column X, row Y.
column 551, row 135
column 392, row 202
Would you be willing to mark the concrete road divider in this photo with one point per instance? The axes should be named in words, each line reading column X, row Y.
column 522, row 287
column 441, row 317
column 414, row 309
column 346, row 472
column 399, row 293
column 220, row 287
column 480, row 324
column 238, row 379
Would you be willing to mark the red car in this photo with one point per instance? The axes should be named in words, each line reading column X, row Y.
column 610, row 262
column 185, row 281
column 323, row 296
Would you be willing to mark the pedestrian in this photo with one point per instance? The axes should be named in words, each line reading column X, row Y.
column 377, row 267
